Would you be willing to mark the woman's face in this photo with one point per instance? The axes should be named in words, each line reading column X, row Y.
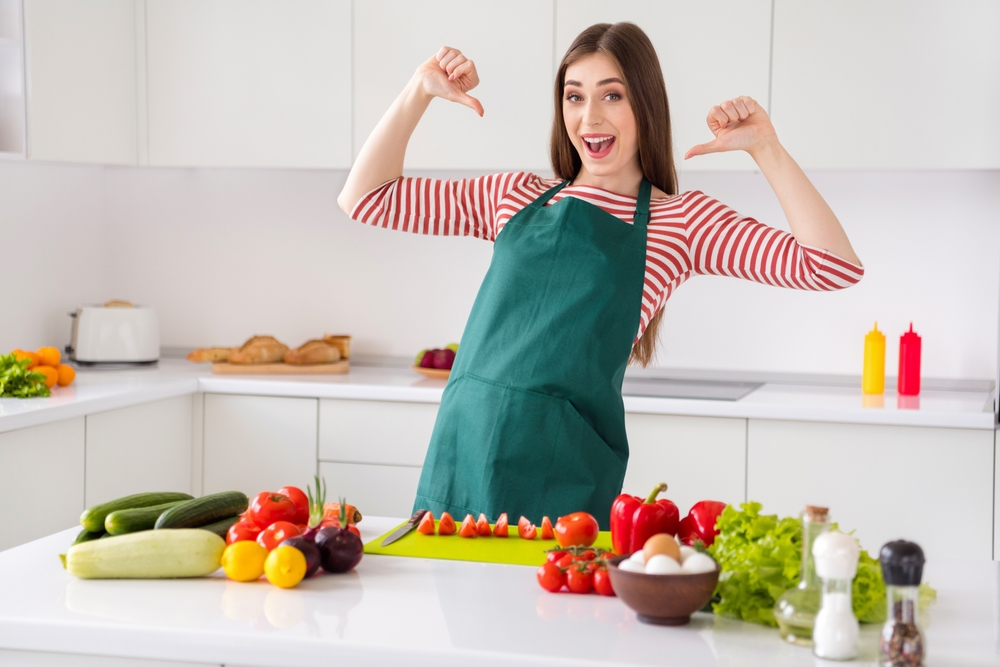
column 598, row 116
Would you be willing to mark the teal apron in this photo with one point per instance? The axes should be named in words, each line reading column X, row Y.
column 532, row 421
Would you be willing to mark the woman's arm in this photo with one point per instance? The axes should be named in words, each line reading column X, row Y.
column 447, row 74
column 741, row 124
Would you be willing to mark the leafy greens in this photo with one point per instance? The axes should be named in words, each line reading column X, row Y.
column 16, row 381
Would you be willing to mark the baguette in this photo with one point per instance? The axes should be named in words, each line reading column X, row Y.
column 259, row 350
column 342, row 343
column 205, row 355
column 313, row 352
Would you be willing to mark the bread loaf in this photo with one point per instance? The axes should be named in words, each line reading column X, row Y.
column 205, row 355
column 259, row 350
column 313, row 352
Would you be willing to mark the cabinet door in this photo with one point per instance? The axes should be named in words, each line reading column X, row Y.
column 511, row 44
column 41, row 473
column 887, row 85
column 383, row 432
column 11, row 80
column 258, row 443
column 249, row 83
column 376, row 490
column 709, row 52
column 700, row 458
column 140, row 448
column 82, row 102
column 930, row 485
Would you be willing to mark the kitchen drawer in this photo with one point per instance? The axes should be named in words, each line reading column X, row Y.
column 383, row 432
column 375, row 489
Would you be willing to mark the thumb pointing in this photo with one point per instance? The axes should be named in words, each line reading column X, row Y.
column 472, row 103
column 702, row 149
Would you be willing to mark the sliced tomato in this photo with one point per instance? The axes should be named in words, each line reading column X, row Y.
column 299, row 499
column 500, row 527
column 468, row 528
column 242, row 530
column 547, row 533
column 483, row 526
column 602, row 583
column 426, row 525
column 446, row 526
column 526, row 530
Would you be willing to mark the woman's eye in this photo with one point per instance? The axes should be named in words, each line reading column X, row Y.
column 573, row 97
column 613, row 97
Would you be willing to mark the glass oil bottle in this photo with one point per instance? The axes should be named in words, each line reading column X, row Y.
column 796, row 610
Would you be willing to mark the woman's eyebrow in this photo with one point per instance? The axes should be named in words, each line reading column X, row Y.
column 602, row 82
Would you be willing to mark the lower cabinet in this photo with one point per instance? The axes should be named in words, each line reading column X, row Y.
column 378, row 490
column 10, row 658
column 41, row 473
column 930, row 485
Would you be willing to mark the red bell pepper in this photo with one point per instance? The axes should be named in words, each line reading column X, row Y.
column 634, row 520
column 699, row 524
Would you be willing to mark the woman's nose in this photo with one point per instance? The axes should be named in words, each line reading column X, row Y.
column 592, row 114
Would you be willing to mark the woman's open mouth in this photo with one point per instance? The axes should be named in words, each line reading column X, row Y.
column 598, row 145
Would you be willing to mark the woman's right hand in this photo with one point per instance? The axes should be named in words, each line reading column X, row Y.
column 450, row 75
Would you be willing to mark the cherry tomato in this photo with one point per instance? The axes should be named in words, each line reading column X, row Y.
column 589, row 554
column 525, row 529
column 566, row 561
column 276, row 533
column 468, row 528
column 483, row 526
column 269, row 507
column 301, row 502
column 602, row 583
column 241, row 531
column 550, row 577
column 426, row 525
column 579, row 580
column 554, row 556
column 547, row 533
column 446, row 526
column 578, row 528
column 500, row 527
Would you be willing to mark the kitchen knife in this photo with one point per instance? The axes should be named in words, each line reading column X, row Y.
column 405, row 528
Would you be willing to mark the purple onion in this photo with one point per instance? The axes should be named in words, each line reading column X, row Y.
column 308, row 549
column 340, row 550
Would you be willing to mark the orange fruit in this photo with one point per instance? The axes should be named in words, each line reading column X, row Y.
column 30, row 356
column 48, row 356
column 66, row 374
column 51, row 375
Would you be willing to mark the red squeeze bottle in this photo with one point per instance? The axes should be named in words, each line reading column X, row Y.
column 908, row 382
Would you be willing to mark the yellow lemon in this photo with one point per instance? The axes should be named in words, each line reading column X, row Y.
column 244, row 560
column 285, row 567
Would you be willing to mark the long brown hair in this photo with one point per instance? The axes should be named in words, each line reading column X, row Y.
column 628, row 47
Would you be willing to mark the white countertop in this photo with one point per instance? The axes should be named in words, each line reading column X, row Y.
column 101, row 390
column 395, row 611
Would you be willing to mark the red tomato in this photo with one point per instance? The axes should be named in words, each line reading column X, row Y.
column 354, row 529
column 300, row 501
column 447, row 525
column 500, row 527
column 242, row 530
column 483, row 526
column 426, row 525
column 550, row 577
column 468, row 528
column 589, row 554
column 269, row 507
column 579, row 580
column 554, row 556
column 602, row 583
column 525, row 529
column 566, row 561
column 578, row 528
column 547, row 533
column 277, row 532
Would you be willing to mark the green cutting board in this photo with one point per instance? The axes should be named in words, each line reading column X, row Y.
column 511, row 550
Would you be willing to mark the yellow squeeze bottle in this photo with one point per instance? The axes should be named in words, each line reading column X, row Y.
column 873, row 377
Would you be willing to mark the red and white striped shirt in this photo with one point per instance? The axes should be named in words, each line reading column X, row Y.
column 689, row 234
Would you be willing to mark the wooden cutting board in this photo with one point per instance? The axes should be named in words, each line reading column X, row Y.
column 225, row 368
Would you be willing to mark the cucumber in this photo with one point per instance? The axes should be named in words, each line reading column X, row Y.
column 205, row 510
column 221, row 528
column 149, row 554
column 93, row 519
column 86, row 536
column 120, row 522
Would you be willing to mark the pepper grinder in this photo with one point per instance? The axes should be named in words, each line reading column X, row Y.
column 835, row 633
column 901, row 643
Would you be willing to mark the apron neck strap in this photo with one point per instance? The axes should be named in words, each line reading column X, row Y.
column 548, row 194
column 641, row 216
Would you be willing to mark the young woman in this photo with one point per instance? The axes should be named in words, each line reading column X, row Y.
column 532, row 422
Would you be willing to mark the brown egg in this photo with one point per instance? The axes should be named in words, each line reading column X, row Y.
column 661, row 544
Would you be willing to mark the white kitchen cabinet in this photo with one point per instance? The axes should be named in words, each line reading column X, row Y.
column 709, row 52
column 41, row 659
column 700, row 458
column 258, row 443
column 82, row 80
column 930, row 485
column 381, row 432
column 379, row 490
column 249, row 83
column 139, row 448
column 12, row 92
column 41, row 473
column 511, row 44
column 889, row 84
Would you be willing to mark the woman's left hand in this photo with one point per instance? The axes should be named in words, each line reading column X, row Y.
column 738, row 124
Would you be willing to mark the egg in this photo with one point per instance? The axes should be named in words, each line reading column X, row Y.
column 629, row 565
column 662, row 564
column 638, row 557
column 687, row 552
column 661, row 544
column 698, row 563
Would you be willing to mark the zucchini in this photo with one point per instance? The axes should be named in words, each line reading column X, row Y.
column 205, row 510
column 149, row 554
column 120, row 522
column 86, row 536
column 93, row 519
column 221, row 528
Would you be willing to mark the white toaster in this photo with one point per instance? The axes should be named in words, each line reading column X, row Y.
column 116, row 332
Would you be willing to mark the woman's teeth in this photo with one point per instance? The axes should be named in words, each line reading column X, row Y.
column 599, row 146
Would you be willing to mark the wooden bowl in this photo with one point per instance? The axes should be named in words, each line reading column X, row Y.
column 663, row 599
column 434, row 373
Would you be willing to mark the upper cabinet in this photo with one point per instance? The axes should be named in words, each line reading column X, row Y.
column 12, row 137
column 709, row 52
column 249, row 83
column 82, row 80
column 889, row 84
column 511, row 44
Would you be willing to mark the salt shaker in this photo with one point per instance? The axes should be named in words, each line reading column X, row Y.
column 901, row 644
column 835, row 633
